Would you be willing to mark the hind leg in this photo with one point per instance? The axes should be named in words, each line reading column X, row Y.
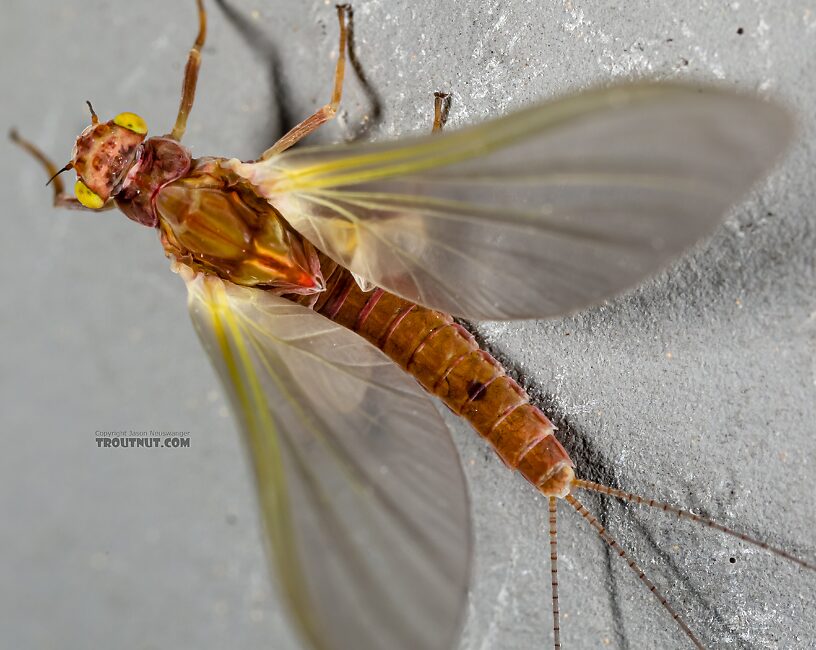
column 442, row 104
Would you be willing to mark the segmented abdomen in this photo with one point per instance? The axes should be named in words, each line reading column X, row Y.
column 448, row 362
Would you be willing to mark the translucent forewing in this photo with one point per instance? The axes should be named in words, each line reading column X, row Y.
column 537, row 213
column 360, row 486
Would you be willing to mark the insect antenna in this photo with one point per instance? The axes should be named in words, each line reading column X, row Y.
column 94, row 116
column 67, row 167
column 554, row 573
column 641, row 574
column 685, row 514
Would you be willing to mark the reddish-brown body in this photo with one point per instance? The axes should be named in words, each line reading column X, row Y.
column 213, row 221
column 159, row 162
column 216, row 223
column 446, row 360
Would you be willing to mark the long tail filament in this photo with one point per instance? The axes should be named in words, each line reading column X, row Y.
column 554, row 573
column 685, row 514
column 606, row 537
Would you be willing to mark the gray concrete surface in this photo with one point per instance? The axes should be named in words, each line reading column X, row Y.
column 697, row 388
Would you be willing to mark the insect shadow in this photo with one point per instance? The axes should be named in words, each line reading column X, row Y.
column 593, row 464
column 280, row 121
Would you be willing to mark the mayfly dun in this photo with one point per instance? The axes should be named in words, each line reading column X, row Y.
column 325, row 284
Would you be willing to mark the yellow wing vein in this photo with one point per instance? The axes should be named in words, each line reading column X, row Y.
column 348, row 465
column 278, row 520
column 397, row 251
column 341, row 534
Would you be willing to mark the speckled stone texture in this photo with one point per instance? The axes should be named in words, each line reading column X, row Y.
column 697, row 388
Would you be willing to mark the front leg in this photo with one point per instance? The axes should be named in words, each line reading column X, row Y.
column 61, row 198
column 310, row 124
column 188, row 88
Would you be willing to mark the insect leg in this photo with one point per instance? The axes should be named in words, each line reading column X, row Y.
column 307, row 126
column 191, row 75
column 61, row 198
column 442, row 104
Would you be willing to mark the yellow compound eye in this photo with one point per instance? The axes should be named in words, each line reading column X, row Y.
column 132, row 122
column 86, row 197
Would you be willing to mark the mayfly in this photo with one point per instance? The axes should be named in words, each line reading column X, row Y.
column 317, row 276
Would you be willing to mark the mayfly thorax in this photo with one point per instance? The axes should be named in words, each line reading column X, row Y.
column 314, row 273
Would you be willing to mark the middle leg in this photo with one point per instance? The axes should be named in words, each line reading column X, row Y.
column 310, row 124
